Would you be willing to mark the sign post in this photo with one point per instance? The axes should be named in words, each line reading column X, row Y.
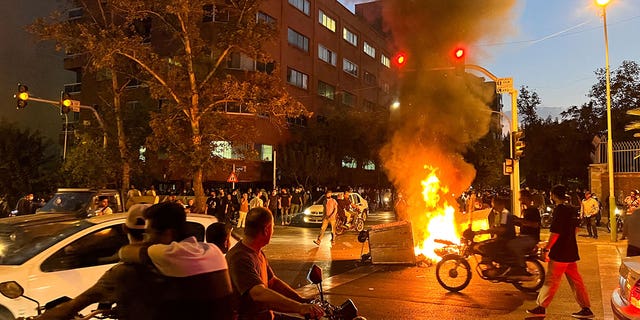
column 233, row 178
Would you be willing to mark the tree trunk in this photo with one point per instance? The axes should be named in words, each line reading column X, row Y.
column 122, row 139
column 198, row 190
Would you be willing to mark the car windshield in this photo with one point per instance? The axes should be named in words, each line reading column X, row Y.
column 20, row 243
column 67, row 202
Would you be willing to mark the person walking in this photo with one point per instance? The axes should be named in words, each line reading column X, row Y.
column 330, row 215
column 562, row 253
column 244, row 208
column 285, row 206
column 588, row 210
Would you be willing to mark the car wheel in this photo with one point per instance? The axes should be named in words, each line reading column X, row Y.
column 5, row 314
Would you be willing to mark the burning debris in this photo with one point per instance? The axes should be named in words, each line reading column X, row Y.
column 441, row 114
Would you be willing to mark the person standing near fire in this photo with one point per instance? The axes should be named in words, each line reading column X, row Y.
column 330, row 215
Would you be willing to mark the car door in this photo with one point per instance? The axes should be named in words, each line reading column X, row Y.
column 74, row 265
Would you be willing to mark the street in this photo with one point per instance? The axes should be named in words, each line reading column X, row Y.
column 412, row 292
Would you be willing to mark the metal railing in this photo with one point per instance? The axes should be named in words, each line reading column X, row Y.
column 626, row 155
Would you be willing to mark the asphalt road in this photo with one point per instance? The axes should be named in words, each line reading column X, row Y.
column 412, row 292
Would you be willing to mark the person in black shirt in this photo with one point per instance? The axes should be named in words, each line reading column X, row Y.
column 529, row 233
column 562, row 251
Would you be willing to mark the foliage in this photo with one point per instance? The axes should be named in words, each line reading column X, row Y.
column 88, row 165
column 29, row 163
column 528, row 102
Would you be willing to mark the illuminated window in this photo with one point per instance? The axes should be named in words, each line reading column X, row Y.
column 350, row 36
column 297, row 78
column 350, row 67
column 302, row 5
column 326, row 90
column 385, row 61
column 266, row 152
column 327, row 55
column 326, row 21
column 298, row 40
column 369, row 50
column 369, row 165
column 348, row 162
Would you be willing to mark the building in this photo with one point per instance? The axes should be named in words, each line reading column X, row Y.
column 326, row 54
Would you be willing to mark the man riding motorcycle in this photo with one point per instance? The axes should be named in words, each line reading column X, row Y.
column 502, row 225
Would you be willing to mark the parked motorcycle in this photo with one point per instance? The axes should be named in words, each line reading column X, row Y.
column 13, row 290
column 619, row 222
column 345, row 311
column 357, row 222
column 453, row 272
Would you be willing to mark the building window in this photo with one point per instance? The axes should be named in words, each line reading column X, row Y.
column 222, row 149
column 369, row 165
column 348, row 162
column 350, row 67
column 348, row 99
column 297, row 78
column 265, row 18
column 75, row 13
column 385, row 61
column 239, row 61
column 266, row 152
column 350, row 36
column 302, row 5
column 213, row 12
column 369, row 78
column 299, row 41
column 368, row 105
column 327, row 55
column 326, row 90
column 385, row 87
column 369, row 50
column 326, row 21
column 266, row 67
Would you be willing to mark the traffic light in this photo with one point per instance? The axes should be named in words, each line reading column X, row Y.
column 517, row 138
column 400, row 59
column 65, row 103
column 22, row 96
column 459, row 60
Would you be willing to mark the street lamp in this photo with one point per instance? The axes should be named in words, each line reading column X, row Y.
column 612, row 200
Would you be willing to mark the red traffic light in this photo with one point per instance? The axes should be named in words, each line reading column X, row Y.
column 459, row 53
column 400, row 59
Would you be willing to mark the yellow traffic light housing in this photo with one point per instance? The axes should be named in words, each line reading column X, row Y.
column 517, row 139
column 65, row 103
column 22, row 96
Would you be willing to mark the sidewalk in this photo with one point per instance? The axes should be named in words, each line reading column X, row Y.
column 411, row 292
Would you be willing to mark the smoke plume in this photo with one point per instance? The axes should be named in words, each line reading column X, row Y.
column 441, row 113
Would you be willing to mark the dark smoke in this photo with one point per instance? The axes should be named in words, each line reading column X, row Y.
column 441, row 113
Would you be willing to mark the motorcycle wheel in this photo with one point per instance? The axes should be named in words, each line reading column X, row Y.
column 453, row 272
column 359, row 225
column 364, row 215
column 545, row 222
column 534, row 267
column 340, row 228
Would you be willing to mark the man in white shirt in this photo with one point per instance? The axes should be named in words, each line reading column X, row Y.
column 588, row 210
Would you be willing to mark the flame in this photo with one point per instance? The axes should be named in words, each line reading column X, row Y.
column 440, row 217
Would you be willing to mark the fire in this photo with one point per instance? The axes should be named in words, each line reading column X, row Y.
column 440, row 217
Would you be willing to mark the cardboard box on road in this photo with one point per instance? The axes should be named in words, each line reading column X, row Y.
column 392, row 243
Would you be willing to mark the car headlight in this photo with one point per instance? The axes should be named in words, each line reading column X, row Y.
column 307, row 211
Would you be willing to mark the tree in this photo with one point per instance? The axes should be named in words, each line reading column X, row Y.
column 181, row 59
column 528, row 102
column 29, row 163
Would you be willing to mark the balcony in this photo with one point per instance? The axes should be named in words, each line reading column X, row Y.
column 73, row 87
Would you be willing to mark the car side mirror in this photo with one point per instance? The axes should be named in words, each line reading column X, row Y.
column 315, row 274
column 11, row 289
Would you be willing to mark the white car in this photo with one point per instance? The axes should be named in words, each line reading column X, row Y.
column 54, row 255
column 314, row 213
column 625, row 300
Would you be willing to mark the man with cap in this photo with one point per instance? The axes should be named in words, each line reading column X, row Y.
column 105, row 289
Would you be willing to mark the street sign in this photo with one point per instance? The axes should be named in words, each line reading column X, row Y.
column 75, row 105
column 504, row 85
column 232, row 177
column 507, row 167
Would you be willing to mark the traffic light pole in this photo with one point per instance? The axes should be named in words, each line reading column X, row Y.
column 515, row 176
column 95, row 114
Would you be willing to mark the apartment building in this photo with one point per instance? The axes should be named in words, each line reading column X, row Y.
column 326, row 55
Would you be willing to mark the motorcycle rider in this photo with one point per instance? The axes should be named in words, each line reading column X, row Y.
column 256, row 287
column 504, row 231
column 104, row 289
column 529, row 233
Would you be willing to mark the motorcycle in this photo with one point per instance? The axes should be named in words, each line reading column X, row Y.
column 13, row 290
column 345, row 311
column 357, row 222
column 453, row 271
column 546, row 217
column 619, row 222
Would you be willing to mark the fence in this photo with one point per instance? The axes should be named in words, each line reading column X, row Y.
column 626, row 155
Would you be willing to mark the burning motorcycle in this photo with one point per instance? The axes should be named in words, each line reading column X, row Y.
column 453, row 272
column 357, row 222
column 345, row 311
column 13, row 290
